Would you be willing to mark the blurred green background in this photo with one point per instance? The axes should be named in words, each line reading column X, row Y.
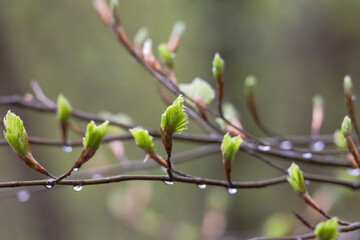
column 296, row 49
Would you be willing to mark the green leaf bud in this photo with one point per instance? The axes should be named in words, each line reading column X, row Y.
column 141, row 35
column 174, row 117
column 15, row 133
column 230, row 146
column 94, row 135
column 327, row 230
column 318, row 101
column 178, row 29
column 346, row 125
column 63, row 108
column 218, row 66
column 142, row 138
column 250, row 84
column 166, row 56
column 296, row 179
column 339, row 139
column 198, row 89
column 348, row 84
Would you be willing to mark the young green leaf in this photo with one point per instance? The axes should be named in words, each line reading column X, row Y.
column 346, row 125
column 166, row 56
column 218, row 66
column 15, row 133
column 296, row 179
column 230, row 146
column 229, row 112
column 348, row 85
column 142, row 138
column 174, row 117
column 63, row 108
column 94, row 135
column 327, row 230
column 198, row 90
column 140, row 37
column 339, row 139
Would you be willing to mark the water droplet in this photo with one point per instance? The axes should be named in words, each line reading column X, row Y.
column 97, row 176
column 48, row 186
column 202, row 186
column 286, row 145
column 232, row 190
column 66, row 148
column 307, row 182
column 353, row 172
column 76, row 169
column 353, row 98
column 318, row 146
column 307, row 155
column 169, row 182
column 77, row 188
column 23, row 196
column 264, row 148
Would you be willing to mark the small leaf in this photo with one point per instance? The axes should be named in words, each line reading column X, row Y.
column 142, row 138
column 296, row 179
column 230, row 146
column 198, row 89
column 339, row 139
column 229, row 112
column 63, row 108
column 218, row 66
column 141, row 35
column 178, row 29
column 94, row 135
column 174, row 117
column 327, row 230
column 250, row 84
column 15, row 133
column 166, row 56
column 346, row 125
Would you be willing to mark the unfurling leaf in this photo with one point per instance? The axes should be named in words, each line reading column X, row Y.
column 174, row 118
column 339, row 139
column 15, row 133
column 296, row 179
column 230, row 146
column 63, row 108
column 250, row 84
column 166, row 56
column 142, row 138
column 94, row 135
column 199, row 90
column 327, row 230
column 218, row 66
column 348, row 86
column 16, row 136
column 346, row 126
column 140, row 37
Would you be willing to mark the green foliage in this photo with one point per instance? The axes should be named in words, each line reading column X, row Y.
column 327, row 230
column 94, row 135
column 142, row 138
column 63, row 108
column 250, row 84
column 15, row 133
column 348, row 84
column 339, row 139
column 166, row 56
column 230, row 146
column 346, row 125
column 175, row 117
column 218, row 65
column 296, row 179
column 198, row 89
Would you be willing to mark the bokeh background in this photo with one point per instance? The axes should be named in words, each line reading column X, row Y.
column 296, row 49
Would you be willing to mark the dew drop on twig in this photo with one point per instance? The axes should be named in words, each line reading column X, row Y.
column 76, row 169
column 77, row 188
column 202, row 186
column 264, row 148
column 23, row 196
column 169, row 182
column 307, row 155
column 286, row 145
column 353, row 171
column 232, row 190
column 318, row 146
column 67, row 148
